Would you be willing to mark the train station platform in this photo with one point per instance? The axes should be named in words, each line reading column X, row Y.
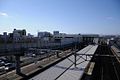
column 116, row 52
column 66, row 70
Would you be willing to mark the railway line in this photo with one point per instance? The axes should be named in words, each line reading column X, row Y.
column 106, row 67
column 96, row 63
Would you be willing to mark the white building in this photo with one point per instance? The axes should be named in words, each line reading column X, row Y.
column 67, row 38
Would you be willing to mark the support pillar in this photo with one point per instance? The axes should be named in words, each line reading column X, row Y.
column 75, row 63
column 86, row 58
column 17, row 59
column 57, row 54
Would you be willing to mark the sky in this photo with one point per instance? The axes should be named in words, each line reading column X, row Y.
column 68, row 16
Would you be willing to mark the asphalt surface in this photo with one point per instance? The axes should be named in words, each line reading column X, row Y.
column 106, row 67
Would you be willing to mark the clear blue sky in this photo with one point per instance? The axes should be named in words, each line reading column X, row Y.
column 69, row 16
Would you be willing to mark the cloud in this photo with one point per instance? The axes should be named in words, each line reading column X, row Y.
column 3, row 14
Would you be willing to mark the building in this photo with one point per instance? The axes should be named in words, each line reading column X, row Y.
column 55, row 32
column 64, row 38
column 30, row 36
column 45, row 36
column 4, row 38
column 90, row 38
column 18, row 34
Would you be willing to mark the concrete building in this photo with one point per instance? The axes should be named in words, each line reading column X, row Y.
column 66, row 38
column 55, row 32
column 30, row 36
column 90, row 38
column 45, row 36
column 4, row 38
column 18, row 34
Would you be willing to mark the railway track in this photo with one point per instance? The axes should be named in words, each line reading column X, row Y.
column 106, row 67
